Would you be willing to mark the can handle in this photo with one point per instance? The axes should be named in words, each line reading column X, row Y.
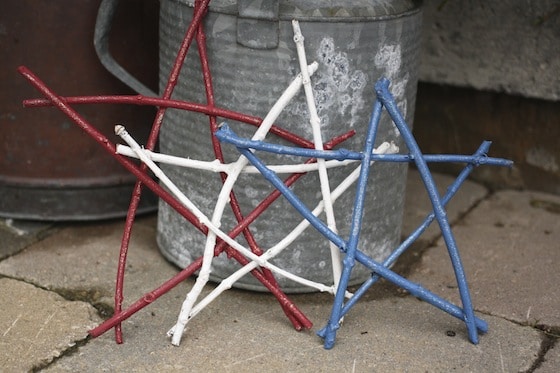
column 103, row 23
column 258, row 23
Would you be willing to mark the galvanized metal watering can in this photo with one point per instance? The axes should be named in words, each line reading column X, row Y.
column 252, row 58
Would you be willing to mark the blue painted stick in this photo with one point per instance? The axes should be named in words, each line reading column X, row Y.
column 400, row 281
column 383, row 94
column 451, row 191
column 466, row 314
column 356, row 225
column 225, row 134
column 414, row 289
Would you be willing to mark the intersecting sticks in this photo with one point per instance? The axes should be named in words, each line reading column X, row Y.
column 218, row 241
column 225, row 284
column 63, row 105
column 168, row 198
column 452, row 189
column 199, row 12
column 207, row 77
column 297, row 318
column 229, row 180
column 195, row 28
column 177, row 331
column 349, row 247
column 257, row 260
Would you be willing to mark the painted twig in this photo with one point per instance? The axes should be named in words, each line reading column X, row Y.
column 217, row 166
column 318, row 140
column 174, row 104
column 225, row 134
column 176, row 205
column 176, row 332
column 199, row 12
column 349, row 247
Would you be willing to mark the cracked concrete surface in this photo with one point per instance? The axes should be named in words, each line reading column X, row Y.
column 50, row 283
column 37, row 325
column 512, row 261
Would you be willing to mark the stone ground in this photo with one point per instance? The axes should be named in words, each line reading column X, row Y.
column 57, row 280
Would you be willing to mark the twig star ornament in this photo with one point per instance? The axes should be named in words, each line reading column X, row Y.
column 317, row 156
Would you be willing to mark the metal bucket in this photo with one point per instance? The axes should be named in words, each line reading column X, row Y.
column 253, row 58
column 49, row 168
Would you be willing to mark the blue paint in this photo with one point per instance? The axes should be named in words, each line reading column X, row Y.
column 383, row 95
column 357, row 215
column 452, row 189
column 227, row 135
column 473, row 324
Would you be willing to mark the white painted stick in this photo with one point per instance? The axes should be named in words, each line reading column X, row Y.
column 213, row 166
column 318, row 140
column 217, row 166
column 177, row 331
column 121, row 131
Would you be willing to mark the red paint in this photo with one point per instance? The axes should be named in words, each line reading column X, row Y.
column 175, row 104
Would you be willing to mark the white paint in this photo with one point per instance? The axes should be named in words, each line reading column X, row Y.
column 216, row 166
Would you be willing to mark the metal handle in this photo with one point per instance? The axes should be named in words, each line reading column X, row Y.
column 257, row 23
column 103, row 24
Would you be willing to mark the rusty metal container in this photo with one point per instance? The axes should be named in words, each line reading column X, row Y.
column 49, row 168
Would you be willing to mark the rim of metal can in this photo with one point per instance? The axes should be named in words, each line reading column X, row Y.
column 322, row 11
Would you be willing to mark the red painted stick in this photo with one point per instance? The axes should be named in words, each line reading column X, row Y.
column 298, row 319
column 152, row 139
column 175, row 104
column 218, row 153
